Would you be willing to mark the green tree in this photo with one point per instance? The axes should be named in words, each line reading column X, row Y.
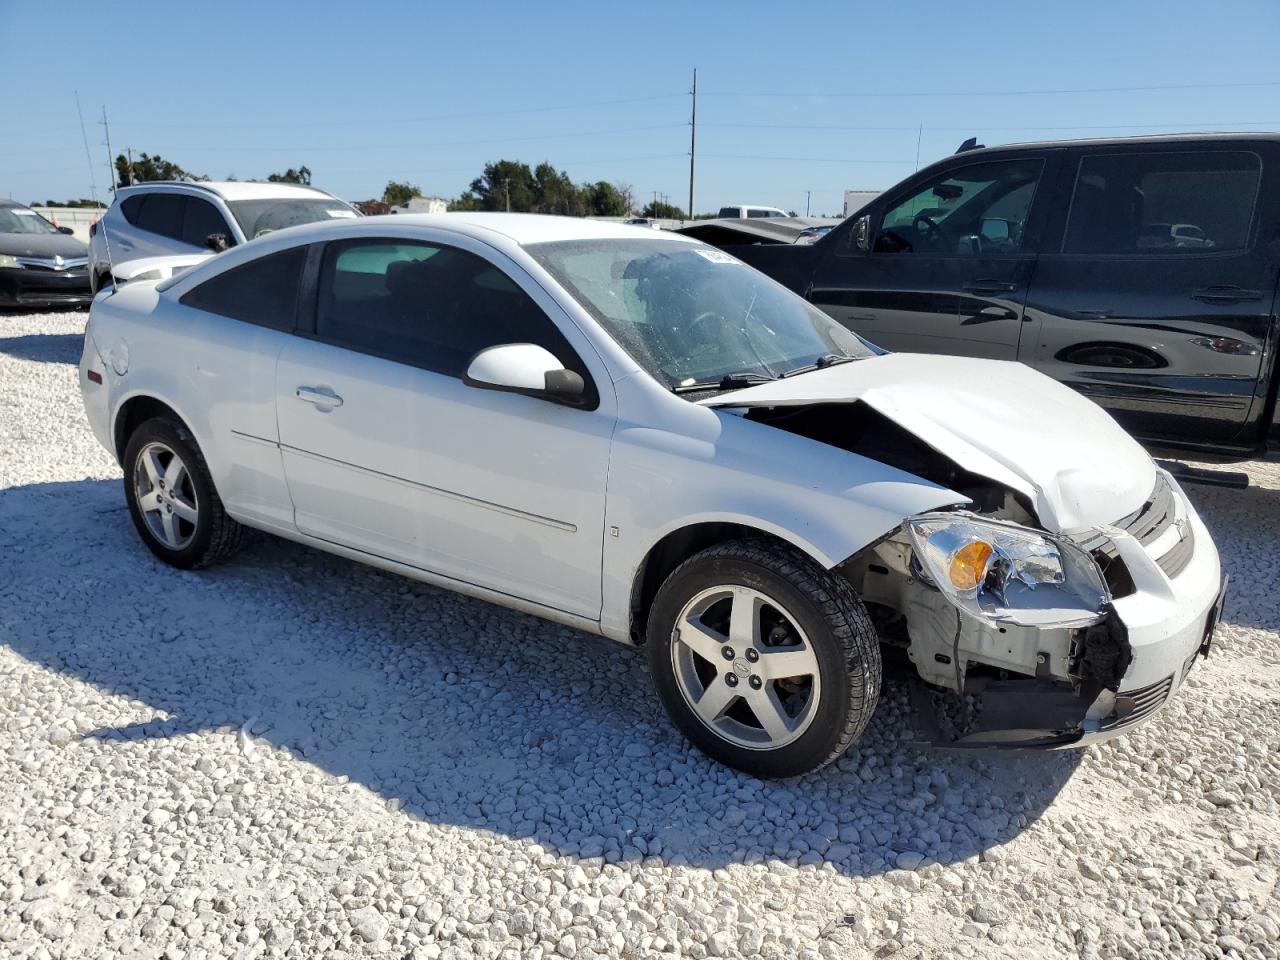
column 504, row 185
column 605, row 200
column 397, row 193
column 662, row 211
column 301, row 175
column 150, row 167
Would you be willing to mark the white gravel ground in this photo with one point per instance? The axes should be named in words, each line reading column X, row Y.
column 293, row 755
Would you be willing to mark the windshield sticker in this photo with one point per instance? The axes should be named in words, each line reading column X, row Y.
column 716, row 256
column 342, row 214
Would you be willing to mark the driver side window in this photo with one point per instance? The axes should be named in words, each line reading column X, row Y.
column 976, row 211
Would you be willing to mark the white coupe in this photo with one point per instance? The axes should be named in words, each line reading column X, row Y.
column 635, row 434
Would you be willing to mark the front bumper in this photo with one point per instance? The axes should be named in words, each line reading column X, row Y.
column 40, row 288
column 1164, row 625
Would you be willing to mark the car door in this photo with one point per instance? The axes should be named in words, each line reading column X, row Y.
column 1156, row 298
column 231, row 331
column 388, row 451
column 949, row 262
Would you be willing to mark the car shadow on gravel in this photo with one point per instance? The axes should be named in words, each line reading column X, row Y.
column 44, row 347
column 453, row 710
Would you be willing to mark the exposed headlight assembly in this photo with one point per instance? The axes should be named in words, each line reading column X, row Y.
column 6, row 260
column 1005, row 572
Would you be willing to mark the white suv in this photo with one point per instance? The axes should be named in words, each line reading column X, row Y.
column 169, row 218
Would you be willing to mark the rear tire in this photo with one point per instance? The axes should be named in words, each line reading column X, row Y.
column 171, row 497
column 766, row 661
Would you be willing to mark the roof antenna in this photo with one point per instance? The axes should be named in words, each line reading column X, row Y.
column 93, row 192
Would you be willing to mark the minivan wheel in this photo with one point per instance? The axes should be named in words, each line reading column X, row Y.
column 765, row 660
column 172, row 499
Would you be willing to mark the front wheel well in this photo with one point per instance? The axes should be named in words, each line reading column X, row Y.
column 135, row 412
column 671, row 551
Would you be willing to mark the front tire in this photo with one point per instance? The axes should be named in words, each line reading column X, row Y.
column 171, row 497
column 766, row 661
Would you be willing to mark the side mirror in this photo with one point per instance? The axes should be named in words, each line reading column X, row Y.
column 65, row 230
column 217, row 242
column 995, row 230
column 860, row 235
column 525, row 368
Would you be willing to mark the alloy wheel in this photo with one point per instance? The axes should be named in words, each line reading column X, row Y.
column 165, row 495
column 745, row 667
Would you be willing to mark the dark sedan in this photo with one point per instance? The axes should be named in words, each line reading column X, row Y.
column 40, row 265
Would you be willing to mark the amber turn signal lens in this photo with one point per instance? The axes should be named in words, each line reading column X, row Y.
column 969, row 565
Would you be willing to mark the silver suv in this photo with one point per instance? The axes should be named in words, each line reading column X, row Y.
column 169, row 218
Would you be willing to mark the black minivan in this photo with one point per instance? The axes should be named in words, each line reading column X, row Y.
column 1140, row 271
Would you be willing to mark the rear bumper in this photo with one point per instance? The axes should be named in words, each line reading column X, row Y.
column 28, row 287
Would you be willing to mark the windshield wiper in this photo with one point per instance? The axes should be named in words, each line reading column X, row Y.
column 826, row 360
column 732, row 381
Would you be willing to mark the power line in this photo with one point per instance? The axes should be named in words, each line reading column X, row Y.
column 402, row 120
column 740, row 156
column 1216, row 124
column 898, row 94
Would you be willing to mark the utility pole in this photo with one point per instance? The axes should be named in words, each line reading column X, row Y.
column 506, row 187
column 111, row 169
column 129, row 150
column 919, row 137
column 807, row 194
column 693, row 138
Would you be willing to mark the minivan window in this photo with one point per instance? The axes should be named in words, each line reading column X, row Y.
column 263, row 291
column 1162, row 203
column 428, row 305
column 978, row 210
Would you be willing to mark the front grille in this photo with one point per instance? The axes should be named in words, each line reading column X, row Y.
column 1146, row 525
column 52, row 265
column 1134, row 706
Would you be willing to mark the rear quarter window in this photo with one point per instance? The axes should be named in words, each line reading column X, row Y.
column 263, row 292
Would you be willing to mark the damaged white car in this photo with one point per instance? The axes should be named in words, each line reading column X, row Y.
column 637, row 435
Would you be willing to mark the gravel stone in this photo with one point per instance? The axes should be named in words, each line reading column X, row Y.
column 435, row 778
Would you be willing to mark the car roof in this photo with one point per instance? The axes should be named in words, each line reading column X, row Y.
column 231, row 189
column 1149, row 139
column 11, row 203
column 520, row 228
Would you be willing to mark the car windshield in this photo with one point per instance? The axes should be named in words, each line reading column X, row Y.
column 257, row 217
column 22, row 220
column 691, row 315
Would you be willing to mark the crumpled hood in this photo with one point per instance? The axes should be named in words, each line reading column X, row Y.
column 996, row 418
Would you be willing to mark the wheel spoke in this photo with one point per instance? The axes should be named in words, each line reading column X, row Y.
column 170, row 526
column 776, row 664
column 768, row 709
column 744, row 618
column 715, row 699
column 173, row 476
column 151, row 464
column 700, row 639
column 184, row 510
column 149, row 502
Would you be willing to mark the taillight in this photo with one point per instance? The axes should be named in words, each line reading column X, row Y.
column 93, row 228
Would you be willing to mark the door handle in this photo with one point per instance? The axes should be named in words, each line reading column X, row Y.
column 1226, row 294
column 320, row 396
column 990, row 287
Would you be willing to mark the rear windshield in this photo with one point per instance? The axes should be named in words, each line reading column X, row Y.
column 257, row 217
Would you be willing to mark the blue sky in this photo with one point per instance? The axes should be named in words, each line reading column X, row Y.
column 428, row 92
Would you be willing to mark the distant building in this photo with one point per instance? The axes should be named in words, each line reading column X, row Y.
column 855, row 200
column 422, row 205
